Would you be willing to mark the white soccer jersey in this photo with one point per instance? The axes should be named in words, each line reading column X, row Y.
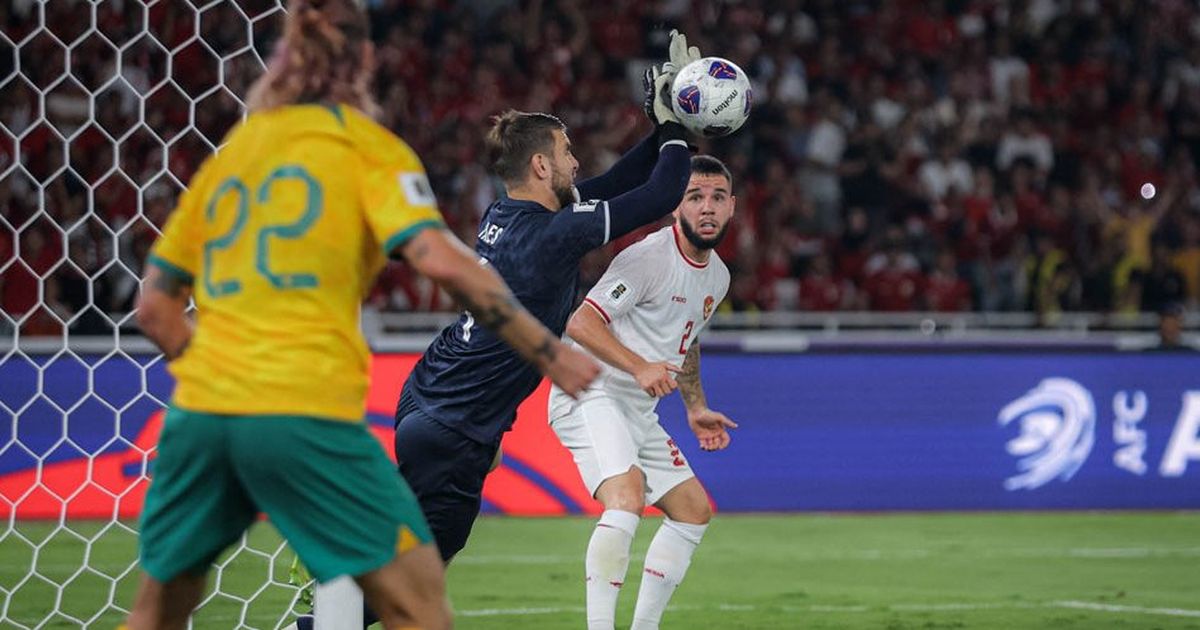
column 656, row 302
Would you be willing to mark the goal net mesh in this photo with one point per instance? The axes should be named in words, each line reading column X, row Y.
column 106, row 108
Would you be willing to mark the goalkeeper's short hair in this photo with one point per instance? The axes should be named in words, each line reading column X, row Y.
column 515, row 137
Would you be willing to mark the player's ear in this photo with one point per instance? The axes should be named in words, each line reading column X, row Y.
column 540, row 164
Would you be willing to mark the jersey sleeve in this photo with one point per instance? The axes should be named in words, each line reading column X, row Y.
column 630, row 280
column 179, row 250
column 398, row 201
column 633, row 169
column 579, row 228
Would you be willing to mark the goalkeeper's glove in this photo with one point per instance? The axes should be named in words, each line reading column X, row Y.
column 657, row 84
column 679, row 52
column 658, row 80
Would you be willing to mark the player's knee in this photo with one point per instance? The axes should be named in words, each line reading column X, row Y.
column 701, row 513
column 626, row 501
column 689, row 507
column 626, row 492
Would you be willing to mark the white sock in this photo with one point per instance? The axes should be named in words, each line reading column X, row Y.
column 667, row 562
column 605, row 566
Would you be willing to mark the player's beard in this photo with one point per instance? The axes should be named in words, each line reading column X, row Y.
column 698, row 241
column 563, row 187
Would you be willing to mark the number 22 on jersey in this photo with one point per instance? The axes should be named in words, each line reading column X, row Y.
column 288, row 231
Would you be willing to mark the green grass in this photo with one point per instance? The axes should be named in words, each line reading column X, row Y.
column 1024, row 570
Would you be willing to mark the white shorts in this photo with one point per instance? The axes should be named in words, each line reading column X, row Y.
column 607, row 437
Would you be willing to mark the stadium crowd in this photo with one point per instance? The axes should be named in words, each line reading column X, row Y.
column 902, row 155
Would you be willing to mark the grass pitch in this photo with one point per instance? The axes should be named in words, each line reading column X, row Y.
column 988, row 570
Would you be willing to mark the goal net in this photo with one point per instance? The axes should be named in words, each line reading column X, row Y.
column 106, row 108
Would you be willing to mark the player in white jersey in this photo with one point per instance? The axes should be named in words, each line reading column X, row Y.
column 642, row 319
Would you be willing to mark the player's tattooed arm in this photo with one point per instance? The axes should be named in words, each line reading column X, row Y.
column 711, row 427
column 495, row 309
column 689, row 379
column 162, row 311
column 549, row 348
column 500, row 312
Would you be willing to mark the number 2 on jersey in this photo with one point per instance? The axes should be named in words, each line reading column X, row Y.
column 288, row 231
column 687, row 334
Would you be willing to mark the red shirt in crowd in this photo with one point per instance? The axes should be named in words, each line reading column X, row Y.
column 821, row 293
column 947, row 293
column 893, row 290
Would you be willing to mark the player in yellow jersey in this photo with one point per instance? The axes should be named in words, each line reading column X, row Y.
column 277, row 239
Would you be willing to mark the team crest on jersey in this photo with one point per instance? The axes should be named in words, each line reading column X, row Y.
column 618, row 291
column 708, row 306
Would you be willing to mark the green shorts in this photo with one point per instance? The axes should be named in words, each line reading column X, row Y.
column 326, row 485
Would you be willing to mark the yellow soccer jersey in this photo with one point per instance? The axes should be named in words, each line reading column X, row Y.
column 281, row 234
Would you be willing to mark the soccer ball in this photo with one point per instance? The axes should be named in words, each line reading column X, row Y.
column 712, row 97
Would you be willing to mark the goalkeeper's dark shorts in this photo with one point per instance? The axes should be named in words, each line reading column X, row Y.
column 325, row 484
column 446, row 470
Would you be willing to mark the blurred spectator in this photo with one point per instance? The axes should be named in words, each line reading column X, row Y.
column 1025, row 141
column 826, row 146
column 821, row 290
column 1048, row 276
column 894, row 281
column 945, row 290
column 1187, row 260
column 1170, row 329
column 1162, row 284
column 945, row 173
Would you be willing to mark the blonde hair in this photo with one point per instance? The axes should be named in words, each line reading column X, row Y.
column 319, row 59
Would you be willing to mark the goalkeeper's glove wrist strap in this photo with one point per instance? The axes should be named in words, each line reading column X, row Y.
column 671, row 130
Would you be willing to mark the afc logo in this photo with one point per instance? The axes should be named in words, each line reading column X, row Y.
column 1057, row 423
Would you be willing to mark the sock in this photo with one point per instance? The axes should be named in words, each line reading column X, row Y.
column 605, row 566
column 306, row 622
column 667, row 562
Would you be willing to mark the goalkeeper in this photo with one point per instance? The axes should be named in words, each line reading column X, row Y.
column 277, row 239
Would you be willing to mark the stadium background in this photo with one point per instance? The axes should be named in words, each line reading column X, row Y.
column 942, row 213
column 902, row 156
